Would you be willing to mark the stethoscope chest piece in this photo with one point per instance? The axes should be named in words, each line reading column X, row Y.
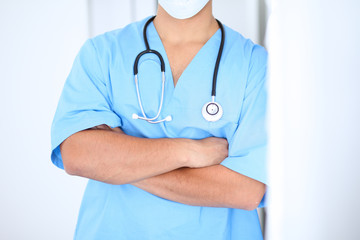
column 212, row 111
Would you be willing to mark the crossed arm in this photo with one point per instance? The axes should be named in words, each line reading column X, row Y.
column 181, row 170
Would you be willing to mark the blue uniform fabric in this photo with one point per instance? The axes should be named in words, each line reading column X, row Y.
column 100, row 89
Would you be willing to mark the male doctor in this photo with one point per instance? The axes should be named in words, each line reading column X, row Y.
column 183, row 179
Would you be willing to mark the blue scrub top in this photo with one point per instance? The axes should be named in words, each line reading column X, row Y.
column 100, row 89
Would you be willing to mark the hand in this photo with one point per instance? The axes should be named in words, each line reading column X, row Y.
column 207, row 152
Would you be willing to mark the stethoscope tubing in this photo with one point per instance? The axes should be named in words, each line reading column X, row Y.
column 207, row 115
column 136, row 63
column 161, row 101
column 217, row 63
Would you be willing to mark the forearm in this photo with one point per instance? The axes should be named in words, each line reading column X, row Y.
column 215, row 186
column 115, row 158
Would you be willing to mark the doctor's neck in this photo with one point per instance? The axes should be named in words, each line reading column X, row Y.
column 197, row 29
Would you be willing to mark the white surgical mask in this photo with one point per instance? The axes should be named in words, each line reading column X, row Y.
column 182, row 9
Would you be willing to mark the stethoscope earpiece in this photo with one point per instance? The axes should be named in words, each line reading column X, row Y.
column 168, row 118
column 135, row 116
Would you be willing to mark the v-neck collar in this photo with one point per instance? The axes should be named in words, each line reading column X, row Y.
column 155, row 43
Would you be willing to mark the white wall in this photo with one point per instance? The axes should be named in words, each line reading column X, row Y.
column 106, row 15
column 241, row 15
column 38, row 43
column 315, row 115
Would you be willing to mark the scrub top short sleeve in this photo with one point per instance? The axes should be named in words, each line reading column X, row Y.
column 84, row 102
column 247, row 147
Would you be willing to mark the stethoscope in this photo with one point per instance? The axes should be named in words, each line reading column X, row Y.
column 211, row 111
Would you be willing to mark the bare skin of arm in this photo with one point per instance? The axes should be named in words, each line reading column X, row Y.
column 112, row 157
column 213, row 186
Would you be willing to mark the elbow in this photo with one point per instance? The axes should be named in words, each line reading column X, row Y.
column 71, row 168
column 251, row 200
column 76, row 162
column 252, row 205
column 249, row 204
column 71, row 162
column 254, row 201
